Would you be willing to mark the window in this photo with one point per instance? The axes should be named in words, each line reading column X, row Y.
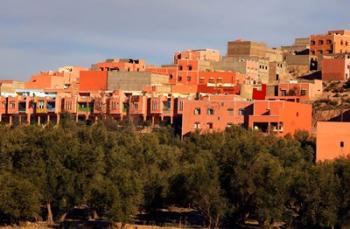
column 189, row 67
column 277, row 76
column 197, row 111
column 230, row 111
column 180, row 67
column 297, row 114
column 136, row 106
column 181, row 105
column 210, row 111
column 303, row 92
column 313, row 42
column 283, row 92
column 329, row 42
column 170, row 76
column 179, row 78
column 341, row 144
column 219, row 80
column 211, row 80
column 196, row 125
column 188, row 78
column 320, row 42
column 41, row 104
column 210, row 125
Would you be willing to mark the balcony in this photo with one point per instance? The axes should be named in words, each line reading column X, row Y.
column 40, row 107
column 22, row 107
column 85, row 107
column 51, row 107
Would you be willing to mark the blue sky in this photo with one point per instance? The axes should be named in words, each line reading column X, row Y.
column 46, row 34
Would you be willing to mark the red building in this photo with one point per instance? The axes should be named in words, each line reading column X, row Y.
column 280, row 117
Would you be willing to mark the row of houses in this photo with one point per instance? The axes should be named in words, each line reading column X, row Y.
column 187, row 114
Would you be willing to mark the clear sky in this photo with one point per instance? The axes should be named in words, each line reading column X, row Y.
column 46, row 34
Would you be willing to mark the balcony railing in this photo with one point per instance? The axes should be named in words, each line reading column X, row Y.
column 85, row 109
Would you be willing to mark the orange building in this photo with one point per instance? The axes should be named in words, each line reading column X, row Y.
column 210, row 113
column 198, row 54
column 64, row 78
column 297, row 90
column 333, row 42
column 130, row 65
column 333, row 140
column 280, row 117
column 336, row 67
column 93, row 81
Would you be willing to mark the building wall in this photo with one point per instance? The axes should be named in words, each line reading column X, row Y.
column 226, row 112
column 93, row 81
column 134, row 81
column 42, row 80
column 277, row 72
column 243, row 65
column 198, row 54
column 9, row 87
column 336, row 69
column 333, row 140
column 263, row 71
column 246, row 48
column 170, row 70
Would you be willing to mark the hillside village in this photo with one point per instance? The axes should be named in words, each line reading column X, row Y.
column 303, row 86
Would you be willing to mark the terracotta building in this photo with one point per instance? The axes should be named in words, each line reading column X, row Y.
column 334, row 42
column 333, row 140
column 93, row 80
column 336, row 67
column 280, row 117
column 299, row 91
column 210, row 113
column 198, row 54
column 131, row 65
column 241, row 48
column 64, row 78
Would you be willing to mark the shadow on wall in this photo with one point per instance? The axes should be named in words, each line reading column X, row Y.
column 312, row 76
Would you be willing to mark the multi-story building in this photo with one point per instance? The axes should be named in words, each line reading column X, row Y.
column 336, row 67
column 334, row 42
column 210, row 113
column 295, row 90
column 280, row 117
